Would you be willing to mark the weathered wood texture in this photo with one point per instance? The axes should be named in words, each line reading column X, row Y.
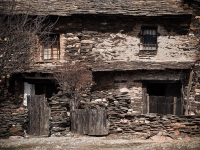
column 89, row 121
column 39, row 113
column 144, row 97
column 161, row 104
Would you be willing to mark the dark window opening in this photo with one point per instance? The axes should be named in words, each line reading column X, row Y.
column 149, row 38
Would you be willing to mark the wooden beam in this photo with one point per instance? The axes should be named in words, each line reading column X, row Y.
column 147, row 104
column 194, row 29
column 175, row 101
column 188, row 93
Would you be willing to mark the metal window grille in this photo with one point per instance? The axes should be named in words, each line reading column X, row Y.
column 149, row 39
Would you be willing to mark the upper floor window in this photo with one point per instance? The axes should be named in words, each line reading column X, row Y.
column 149, row 38
column 51, row 48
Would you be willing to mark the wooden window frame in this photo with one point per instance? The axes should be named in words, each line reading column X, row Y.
column 51, row 48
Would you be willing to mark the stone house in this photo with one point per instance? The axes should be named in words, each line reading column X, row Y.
column 144, row 59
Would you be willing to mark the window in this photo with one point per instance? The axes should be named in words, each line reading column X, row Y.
column 51, row 48
column 149, row 38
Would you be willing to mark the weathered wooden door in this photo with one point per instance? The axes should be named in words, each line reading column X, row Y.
column 89, row 122
column 161, row 104
column 39, row 114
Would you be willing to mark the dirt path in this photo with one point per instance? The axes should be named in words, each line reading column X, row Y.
column 100, row 143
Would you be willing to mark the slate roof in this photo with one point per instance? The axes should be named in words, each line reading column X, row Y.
column 123, row 7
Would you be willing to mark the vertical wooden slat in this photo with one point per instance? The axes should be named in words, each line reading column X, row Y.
column 29, row 114
column 175, row 104
column 105, row 128
column 144, row 98
column 163, row 105
column 41, row 115
column 34, row 116
column 148, row 105
column 158, row 104
column 46, row 118
column 79, row 121
column 188, row 93
column 92, row 120
column 182, row 100
column 85, row 120
column 152, row 104
column 37, row 115
column 168, row 101
column 99, row 122
column 73, row 121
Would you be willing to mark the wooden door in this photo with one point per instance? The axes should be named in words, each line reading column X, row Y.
column 89, row 122
column 39, row 114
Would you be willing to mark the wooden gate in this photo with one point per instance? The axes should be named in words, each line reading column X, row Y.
column 89, row 121
column 39, row 114
column 162, row 105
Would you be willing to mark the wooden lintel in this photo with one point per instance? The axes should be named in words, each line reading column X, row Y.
column 197, row 17
column 194, row 29
column 39, row 78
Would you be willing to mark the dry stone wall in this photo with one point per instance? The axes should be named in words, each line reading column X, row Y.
column 59, row 121
column 117, row 39
column 123, row 100
column 148, row 124
column 13, row 116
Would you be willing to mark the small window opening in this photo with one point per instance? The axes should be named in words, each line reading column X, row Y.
column 149, row 38
column 51, row 48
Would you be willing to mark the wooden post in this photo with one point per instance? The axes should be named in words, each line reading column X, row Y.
column 188, row 93
column 144, row 98
column 175, row 101
column 147, row 103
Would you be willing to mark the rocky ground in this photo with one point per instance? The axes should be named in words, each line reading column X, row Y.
column 111, row 142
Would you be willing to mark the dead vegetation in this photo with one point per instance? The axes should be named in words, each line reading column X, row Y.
column 20, row 37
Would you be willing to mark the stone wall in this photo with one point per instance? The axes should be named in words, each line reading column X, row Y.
column 115, row 38
column 121, row 96
column 151, row 123
column 13, row 115
column 59, row 121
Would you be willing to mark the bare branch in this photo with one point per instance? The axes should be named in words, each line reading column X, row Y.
column 73, row 78
column 19, row 38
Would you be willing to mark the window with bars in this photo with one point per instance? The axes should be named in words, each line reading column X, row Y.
column 51, row 48
column 149, row 39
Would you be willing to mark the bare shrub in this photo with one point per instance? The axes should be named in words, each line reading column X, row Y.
column 74, row 78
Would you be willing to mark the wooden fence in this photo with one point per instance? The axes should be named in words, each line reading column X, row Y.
column 89, row 122
column 39, row 114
